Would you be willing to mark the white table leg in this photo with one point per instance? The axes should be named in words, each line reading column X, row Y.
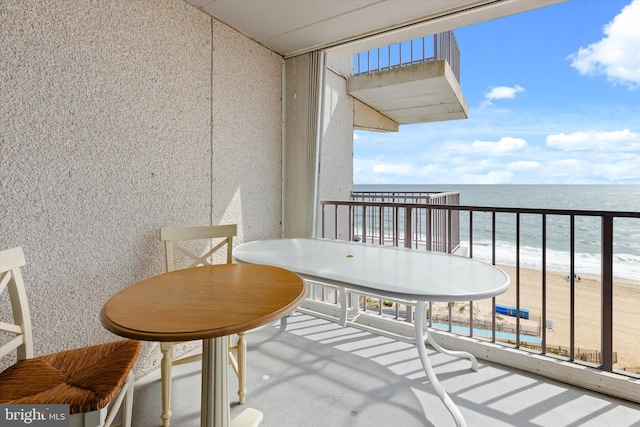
column 424, row 358
column 459, row 354
column 215, row 383
column 346, row 314
column 342, row 298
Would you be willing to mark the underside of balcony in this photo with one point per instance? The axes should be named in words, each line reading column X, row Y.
column 420, row 93
column 315, row 373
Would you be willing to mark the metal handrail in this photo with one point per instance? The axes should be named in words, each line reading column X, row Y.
column 607, row 252
column 426, row 49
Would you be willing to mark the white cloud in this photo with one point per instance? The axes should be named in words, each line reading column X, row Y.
column 523, row 166
column 501, row 92
column 618, row 140
column 620, row 171
column 617, row 55
column 565, row 163
column 566, row 171
column 393, row 169
column 506, row 145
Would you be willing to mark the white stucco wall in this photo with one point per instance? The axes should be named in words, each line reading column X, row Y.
column 336, row 151
column 113, row 123
column 247, row 117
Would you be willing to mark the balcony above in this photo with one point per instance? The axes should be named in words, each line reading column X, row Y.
column 415, row 81
column 420, row 93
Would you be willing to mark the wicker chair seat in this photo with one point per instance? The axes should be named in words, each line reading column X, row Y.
column 86, row 378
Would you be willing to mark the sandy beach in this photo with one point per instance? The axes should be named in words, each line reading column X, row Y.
column 626, row 335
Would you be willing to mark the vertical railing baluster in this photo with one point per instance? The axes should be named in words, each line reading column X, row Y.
column 411, row 51
column 493, row 261
column 471, row 317
column 429, row 229
column 449, row 230
column 408, row 214
column 352, row 224
column 607, row 294
column 364, row 224
column 470, row 234
column 572, row 286
column 543, row 348
column 396, row 225
column 322, row 221
column 517, row 280
column 335, row 220
column 381, row 238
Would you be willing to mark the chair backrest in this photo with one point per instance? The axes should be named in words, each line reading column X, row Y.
column 175, row 238
column 11, row 279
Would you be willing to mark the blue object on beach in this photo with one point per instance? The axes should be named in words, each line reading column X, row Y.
column 512, row 311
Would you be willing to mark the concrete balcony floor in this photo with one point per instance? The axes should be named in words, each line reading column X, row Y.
column 318, row 374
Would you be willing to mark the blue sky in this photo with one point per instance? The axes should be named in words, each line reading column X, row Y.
column 553, row 97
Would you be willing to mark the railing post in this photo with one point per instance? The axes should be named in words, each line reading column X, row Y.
column 408, row 222
column 429, row 230
column 449, row 231
column 544, row 284
column 364, row 224
column 351, row 223
column 323, row 220
column 381, row 226
column 607, row 293
column 335, row 219
column 572, row 287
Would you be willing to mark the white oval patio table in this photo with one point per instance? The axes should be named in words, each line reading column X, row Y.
column 416, row 276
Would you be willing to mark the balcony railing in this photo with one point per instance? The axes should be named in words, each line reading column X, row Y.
column 404, row 223
column 429, row 48
column 378, row 222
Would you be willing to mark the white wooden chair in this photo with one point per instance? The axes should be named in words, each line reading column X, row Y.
column 94, row 381
column 187, row 243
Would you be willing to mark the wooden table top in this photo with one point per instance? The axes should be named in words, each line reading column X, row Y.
column 203, row 302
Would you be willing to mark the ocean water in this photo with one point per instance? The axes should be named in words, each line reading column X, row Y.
column 624, row 198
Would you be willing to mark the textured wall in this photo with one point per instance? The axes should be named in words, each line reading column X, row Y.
column 247, row 118
column 336, row 155
column 108, row 131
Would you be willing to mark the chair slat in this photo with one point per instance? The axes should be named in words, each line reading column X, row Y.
column 10, row 328
column 11, row 345
column 191, row 233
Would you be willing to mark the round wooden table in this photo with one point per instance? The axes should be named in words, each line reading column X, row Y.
column 207, row 303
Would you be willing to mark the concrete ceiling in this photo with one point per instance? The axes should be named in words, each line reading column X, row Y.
column 292, row 27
